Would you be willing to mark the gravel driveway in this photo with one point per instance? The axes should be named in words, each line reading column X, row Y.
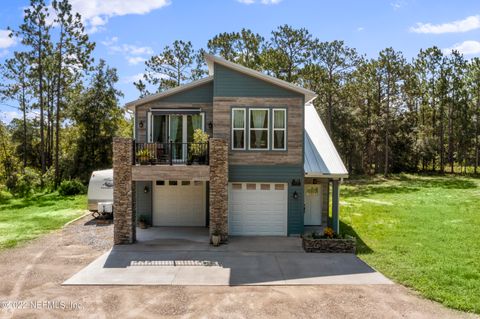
column 31, row 277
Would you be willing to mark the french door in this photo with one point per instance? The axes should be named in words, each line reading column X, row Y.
column 175, row 128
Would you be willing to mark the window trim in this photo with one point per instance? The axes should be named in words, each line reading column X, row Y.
column 259, row 129
column 244, row 129
column 284, row 129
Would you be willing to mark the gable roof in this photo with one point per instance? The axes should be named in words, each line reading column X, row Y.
column 172, row 91
column 212, row 59
column 321, row 156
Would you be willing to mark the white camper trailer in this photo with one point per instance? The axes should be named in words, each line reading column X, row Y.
column 100, row 191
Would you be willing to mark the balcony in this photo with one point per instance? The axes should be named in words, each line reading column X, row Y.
column 171, row 153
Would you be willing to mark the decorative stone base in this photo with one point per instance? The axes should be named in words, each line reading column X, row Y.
column 347, row 245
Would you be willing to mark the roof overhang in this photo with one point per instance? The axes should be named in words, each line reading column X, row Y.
column 321, row 157
column 212, row 59
column 175, row 90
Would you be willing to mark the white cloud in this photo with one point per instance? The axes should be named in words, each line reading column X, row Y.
column 134, row 60
column 466, row 47
column 271, row 1
column 5, row 40
column 132, row 78
column 360, row 29
column 266, row 2
column 467, row 24
column 95, row 13
column 132, row 53
column 8, row 116
column 396, row 5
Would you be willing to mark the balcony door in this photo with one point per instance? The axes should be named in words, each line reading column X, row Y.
column 175, row 128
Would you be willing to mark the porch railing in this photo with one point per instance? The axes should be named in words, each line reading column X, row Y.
column 171, row 153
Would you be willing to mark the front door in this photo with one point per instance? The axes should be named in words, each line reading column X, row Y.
column 313, row 205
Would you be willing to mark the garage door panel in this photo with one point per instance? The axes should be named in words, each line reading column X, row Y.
column 179, row 205
column 258, row 212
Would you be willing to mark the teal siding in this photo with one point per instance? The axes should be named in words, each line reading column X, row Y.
column 143, row 200
column 230, row 83
column 199, row 94
column 281, row 174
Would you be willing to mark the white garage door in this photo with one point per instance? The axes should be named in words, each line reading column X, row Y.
column 257, row 209
column 179, row 203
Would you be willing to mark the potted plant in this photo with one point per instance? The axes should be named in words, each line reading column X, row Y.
column 142, row 222
column 198, row 149
column 144, row 156
column 216, row 237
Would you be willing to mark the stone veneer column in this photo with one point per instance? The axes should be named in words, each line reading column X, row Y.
column 219, row 187
column 123, row 192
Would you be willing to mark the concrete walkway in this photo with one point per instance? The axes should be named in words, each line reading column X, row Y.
column 244, row 261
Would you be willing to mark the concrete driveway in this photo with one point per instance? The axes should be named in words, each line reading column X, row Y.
column 182, row 256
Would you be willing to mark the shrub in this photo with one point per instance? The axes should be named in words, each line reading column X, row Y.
column 25, row 183
column 71, row 187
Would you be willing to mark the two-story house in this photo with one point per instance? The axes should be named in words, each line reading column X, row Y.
column 268, row 166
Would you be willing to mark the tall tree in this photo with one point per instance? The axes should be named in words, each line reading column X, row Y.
column 428, row 67
column 244, row 47
column 474, row 100
column 34, row 33
column 17, row 86
column 391, row 66
column 338, row 61
column 73, row 57
column 98, row 117
column 287, row 52
column 176, row 64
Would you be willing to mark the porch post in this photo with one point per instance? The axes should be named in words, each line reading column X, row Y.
column 335, row 204
column 219, row 187
column 123, row 192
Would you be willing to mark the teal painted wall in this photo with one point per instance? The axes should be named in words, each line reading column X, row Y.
column 199, row 94
column 143, row 200
column 281, row 174
column 230, row 83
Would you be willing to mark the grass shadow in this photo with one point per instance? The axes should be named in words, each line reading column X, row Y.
column 362, row 247
column 404, row 183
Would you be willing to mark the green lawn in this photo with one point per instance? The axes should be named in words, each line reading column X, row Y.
column 420, row 231
column 27, row 218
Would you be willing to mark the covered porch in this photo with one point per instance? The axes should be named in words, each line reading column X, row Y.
column 323, row 166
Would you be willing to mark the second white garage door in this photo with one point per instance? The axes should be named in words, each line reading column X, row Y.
column 258, row 209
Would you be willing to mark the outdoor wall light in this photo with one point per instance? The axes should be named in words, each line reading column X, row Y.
column 210, row 125
column 140, row 124
column 295, row 195
column 145, row 189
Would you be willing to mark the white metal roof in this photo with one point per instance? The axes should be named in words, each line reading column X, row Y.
column 321, row 156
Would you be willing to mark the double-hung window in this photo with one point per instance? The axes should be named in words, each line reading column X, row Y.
column 279, row 129
column 238, row 129
column 259, row 129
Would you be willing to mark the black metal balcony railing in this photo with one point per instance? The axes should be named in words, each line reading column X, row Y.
column 171, row 153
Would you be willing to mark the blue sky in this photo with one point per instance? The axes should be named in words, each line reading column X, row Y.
column 129, row 31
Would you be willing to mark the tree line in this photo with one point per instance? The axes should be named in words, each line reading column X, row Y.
column 68, row 102
column 385, row 114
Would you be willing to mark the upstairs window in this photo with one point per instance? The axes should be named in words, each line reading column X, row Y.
column 279, row 129
column 238, row 129
column 259, row 128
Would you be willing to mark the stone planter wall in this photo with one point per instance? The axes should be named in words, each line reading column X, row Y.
column 347, row 245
